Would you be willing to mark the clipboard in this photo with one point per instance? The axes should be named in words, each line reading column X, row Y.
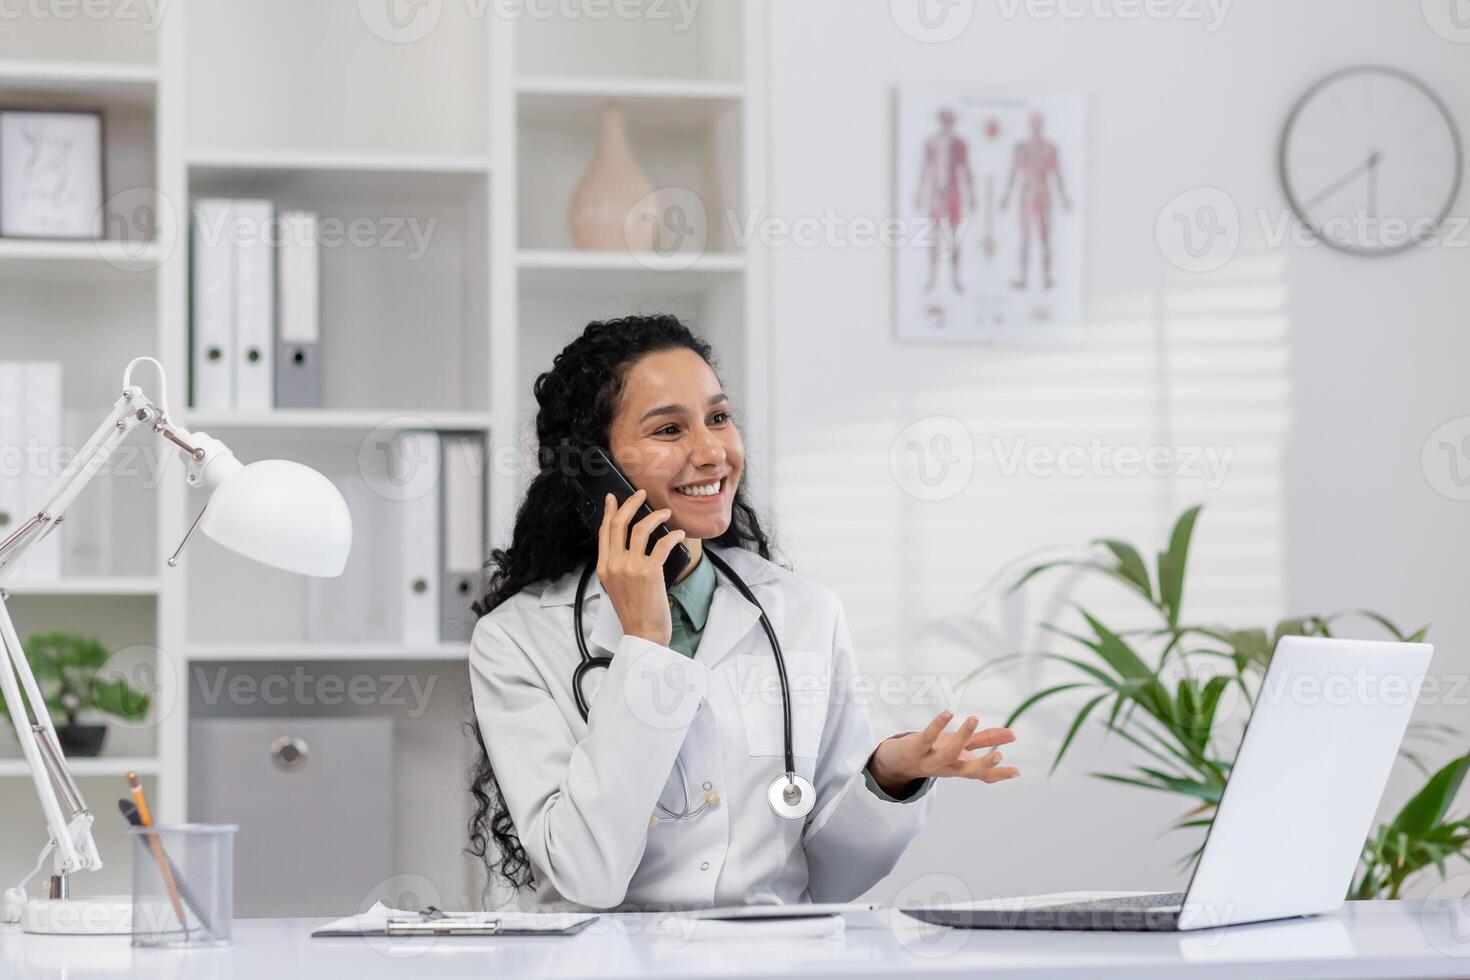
column 380, row 920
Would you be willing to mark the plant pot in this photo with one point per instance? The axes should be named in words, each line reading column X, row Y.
column 81, row 741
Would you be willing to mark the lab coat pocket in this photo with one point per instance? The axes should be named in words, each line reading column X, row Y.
column 808, row 675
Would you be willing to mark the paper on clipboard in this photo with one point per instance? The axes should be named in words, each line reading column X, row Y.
column 380, row 920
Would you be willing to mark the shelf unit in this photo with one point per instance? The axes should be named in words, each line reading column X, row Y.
column 484, row 127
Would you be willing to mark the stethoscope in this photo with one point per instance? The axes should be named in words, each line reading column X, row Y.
column 791, row 795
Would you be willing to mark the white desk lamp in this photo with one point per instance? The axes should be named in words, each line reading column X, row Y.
column 274, row 511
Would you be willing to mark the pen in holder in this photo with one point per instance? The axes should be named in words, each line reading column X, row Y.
column 183, row 870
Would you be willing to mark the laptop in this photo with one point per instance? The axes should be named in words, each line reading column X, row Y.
column 1300, row 801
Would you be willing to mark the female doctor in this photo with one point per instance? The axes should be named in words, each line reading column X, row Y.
column 665, row 784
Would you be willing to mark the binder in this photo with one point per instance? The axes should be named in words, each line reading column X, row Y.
column 255, row 307
column 419, row 562
column 42, row 417
column 12, row 455
column 463, row 480
column 298, row 350
column 212, row 337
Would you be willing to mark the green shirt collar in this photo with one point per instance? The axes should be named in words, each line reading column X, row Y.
column 696, row 591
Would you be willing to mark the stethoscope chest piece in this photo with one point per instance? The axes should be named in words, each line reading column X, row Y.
column 792, row 796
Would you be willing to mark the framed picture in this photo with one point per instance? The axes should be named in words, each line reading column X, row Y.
column 50, row 174
column 990, row 188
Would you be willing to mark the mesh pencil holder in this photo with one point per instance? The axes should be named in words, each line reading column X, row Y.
column 183, row 884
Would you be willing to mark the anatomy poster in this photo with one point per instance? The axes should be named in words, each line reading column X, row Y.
column 990, row 192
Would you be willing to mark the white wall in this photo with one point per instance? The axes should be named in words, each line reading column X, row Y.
column 1323, row 373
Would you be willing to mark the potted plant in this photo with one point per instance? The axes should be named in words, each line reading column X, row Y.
column 1156, row 697
column 66, row 666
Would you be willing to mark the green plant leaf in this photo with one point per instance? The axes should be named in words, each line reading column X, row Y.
column 1038, row 697
column 1429, row 806
column 1072, row 731
column 1130, row 568
column 1172, row 564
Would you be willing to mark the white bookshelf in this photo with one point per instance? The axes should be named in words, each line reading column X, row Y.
column 484, row 126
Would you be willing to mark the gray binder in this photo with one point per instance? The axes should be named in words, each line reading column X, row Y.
column 462, row 519
column 298, row 323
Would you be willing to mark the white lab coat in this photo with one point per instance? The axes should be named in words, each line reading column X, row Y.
column 581, row 794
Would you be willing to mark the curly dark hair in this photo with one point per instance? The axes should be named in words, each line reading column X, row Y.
column 578, row 398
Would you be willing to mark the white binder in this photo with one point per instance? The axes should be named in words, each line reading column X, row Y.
column 255, row 307
column 212, row 386
column 42, row 419
column 463, row 477
column 419, row 519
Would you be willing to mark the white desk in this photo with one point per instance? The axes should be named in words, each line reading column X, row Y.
column 1385, row 939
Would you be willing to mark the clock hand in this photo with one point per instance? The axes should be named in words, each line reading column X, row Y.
column 1341, row 182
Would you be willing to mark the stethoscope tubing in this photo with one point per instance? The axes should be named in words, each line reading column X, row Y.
column 590, row 662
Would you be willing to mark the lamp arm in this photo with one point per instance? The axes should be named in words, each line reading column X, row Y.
column 71, row 829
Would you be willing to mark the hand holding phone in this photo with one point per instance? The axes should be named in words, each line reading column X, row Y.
column 632, row 574
column 601, row 477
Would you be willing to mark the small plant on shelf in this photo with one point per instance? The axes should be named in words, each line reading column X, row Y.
column 66, row 667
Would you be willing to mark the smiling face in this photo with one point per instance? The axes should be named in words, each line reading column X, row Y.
column 674, row 437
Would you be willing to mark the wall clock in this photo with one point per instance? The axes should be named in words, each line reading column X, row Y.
column 1371, row 161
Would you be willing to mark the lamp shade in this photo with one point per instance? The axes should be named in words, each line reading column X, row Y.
column 281, row 514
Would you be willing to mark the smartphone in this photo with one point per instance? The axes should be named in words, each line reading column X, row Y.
column 602, row 477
